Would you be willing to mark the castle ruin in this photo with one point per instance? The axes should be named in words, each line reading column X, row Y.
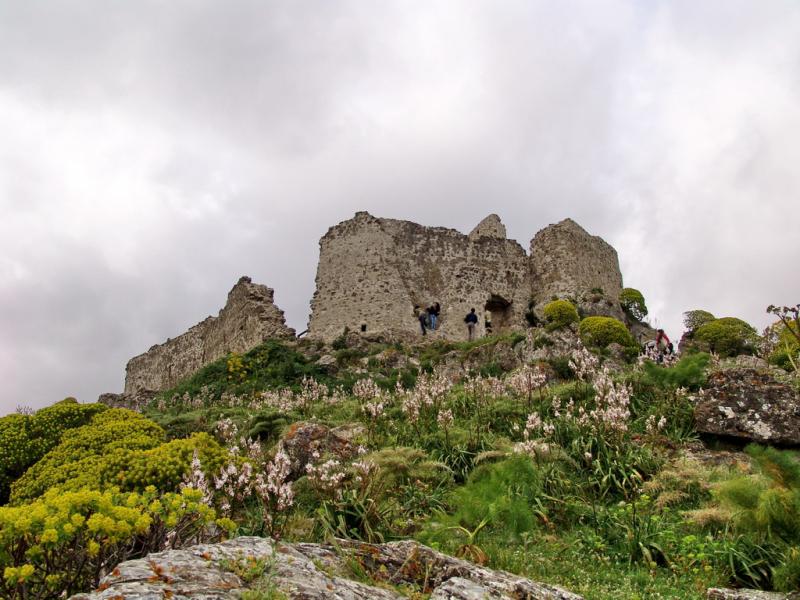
column 372, row 272
column 248, row 318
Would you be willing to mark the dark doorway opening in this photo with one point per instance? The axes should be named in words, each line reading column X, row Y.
column 498, row 311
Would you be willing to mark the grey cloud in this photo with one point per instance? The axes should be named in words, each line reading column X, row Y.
column 153, row 152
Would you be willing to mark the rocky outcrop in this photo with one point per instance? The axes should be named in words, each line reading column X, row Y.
column 751, row 405
column 137, row 400
column 372, row 272
column 248, row 318
column 305, row 438
column 313, row 571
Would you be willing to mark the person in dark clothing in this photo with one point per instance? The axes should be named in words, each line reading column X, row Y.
column 471, row 320
column 422, row 317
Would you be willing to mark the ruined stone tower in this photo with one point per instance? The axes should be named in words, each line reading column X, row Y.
column 372, row 272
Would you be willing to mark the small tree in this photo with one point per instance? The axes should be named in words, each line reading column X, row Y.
column 694, row 319
column 632, row 302
column 728, row 336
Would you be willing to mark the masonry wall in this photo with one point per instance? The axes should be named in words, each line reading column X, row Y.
column 248, row 318
column 566, row 261
column 373, row 271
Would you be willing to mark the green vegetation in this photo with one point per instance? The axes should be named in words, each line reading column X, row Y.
column 727, row 336
column 117, row 448
column 689, row 372
column 694, row 319
column 61, row 543
column 599, row 332
column 268, row 366
column 560, row 471
column 25, row 439
column 560, row 313
column 632, row 302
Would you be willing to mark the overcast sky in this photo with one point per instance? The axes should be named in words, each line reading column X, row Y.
column 153, row 152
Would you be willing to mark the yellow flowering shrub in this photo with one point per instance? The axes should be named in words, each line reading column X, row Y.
column 24, row 439
column 601, row 331
column 63, row 542
column 118, row 448
column 560, row 313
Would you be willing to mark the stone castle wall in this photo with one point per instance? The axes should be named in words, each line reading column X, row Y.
column 372, row 272
column 567, row 261
column 248, row 318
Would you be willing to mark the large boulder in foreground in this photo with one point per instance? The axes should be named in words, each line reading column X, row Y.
column 313, row 572
column 751, row 405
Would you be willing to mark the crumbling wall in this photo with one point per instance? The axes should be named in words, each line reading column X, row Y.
column 248, row 318
column 568, row 262
column 373, row 271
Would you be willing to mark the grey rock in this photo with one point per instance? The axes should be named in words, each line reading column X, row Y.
column 313, row 572
column 751, row 405
column 303, row 439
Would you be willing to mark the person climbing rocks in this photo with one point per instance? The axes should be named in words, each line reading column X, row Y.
column 433, row 315
column 661, row 338
column 422, row 317
column 662, row 345
column 471, row 320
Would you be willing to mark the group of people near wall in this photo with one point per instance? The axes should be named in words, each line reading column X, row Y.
column 429, row 320
column 428, row 317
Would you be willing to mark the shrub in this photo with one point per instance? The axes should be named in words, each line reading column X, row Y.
column 786, row 352
column 560, row 313
column 602, row 331
column 118, row 448
column 688, row 372
column 727, row 336
column 632, row 302
column 271, row 365
column 505, row 493
column 64, row 542
column 693, row 319
column 766, row 509
column 24, row 439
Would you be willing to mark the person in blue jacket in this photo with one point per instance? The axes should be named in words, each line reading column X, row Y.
column 471, row 320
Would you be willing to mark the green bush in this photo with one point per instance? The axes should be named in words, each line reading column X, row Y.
column 766, row 507
column 727, row 336
column 602, row 331
column 505, row 493
column 560, row 313
column 688, row 372
column 271, row 365
column 24, row 439
column 693, row 319
column 118, row 448
column 63, row 543
column 632, row 302
column 787, row 352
